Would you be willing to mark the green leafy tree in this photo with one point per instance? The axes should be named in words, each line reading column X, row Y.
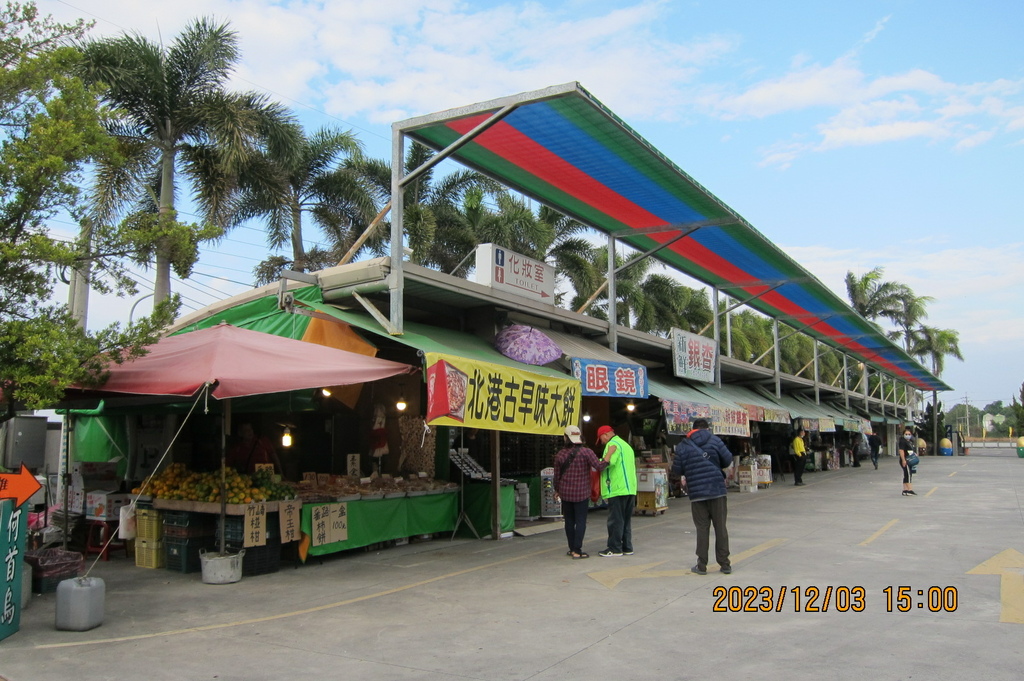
column 49, row 130
column 926, row 425
column 1018, row 413
column 172, row 114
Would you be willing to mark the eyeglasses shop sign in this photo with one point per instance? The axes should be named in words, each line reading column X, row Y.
column 694, row 356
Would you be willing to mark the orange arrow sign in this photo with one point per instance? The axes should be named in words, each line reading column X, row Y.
column 18, row 486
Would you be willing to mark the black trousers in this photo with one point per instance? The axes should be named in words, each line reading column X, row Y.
column 575, row 514
column 705, row 514
column 620, row 523
column 798, row 463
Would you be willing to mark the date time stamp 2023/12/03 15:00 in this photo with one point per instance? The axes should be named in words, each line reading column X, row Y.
column 831, row 598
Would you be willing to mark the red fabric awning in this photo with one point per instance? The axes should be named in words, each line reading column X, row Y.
column 239, row 362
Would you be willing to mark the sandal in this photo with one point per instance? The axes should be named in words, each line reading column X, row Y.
column 580, row 556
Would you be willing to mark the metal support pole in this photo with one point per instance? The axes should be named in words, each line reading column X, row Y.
column 396, row 280
column 778, row 358
column 613, row 337
column 864, row 384
column 714, row 311
column 817, row 376
column 728, row 330
column 846, row 382
column 495, row 484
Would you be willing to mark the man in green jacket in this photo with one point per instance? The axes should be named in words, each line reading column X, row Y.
column 618, row 487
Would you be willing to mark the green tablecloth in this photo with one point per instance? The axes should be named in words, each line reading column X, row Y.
column 477, row 506
column 377, row 520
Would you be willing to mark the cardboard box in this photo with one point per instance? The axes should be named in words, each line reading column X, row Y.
column 103, row 505
column 90, row 476
column 746, row 476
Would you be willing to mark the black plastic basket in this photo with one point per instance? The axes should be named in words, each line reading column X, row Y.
column 48, row 585
column 182, row 555
column 185, row 524
column 234, row 528
column 259, row 560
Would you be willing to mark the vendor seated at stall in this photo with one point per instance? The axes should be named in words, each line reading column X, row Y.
column 250, row 449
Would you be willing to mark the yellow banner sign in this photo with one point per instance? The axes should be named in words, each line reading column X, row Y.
column 473, row 394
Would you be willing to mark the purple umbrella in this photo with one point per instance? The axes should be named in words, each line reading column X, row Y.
column 527, row 345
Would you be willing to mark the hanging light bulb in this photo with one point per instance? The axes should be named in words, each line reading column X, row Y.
column 401, row 404
column 286, row 437
column 630, row 407
column 586, row 417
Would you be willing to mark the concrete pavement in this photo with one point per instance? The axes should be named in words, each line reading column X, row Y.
column 520, row 609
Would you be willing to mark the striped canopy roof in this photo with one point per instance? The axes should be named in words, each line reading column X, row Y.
column 563, row 148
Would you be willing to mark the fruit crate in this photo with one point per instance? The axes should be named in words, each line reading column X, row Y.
column 148, row 524
column 234, row 528
column 258, row 560
column 185, row 524
column 149, row 553
column 182, row 555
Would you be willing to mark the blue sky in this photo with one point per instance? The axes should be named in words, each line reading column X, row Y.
column 854, row 135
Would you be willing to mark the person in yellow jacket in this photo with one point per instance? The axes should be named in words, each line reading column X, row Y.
column 618, row 487
column 798, row 451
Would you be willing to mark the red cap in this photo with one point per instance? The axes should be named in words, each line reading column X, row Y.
column 605, row 429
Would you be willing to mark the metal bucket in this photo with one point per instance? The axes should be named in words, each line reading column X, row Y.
column 221, row 568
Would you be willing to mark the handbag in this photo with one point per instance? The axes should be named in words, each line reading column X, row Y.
column 595, row 485
column 913, row 460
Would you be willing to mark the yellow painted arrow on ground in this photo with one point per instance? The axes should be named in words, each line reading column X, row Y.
column 1009, row 565
column 611, row 578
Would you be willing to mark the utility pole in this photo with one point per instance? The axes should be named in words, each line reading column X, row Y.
column 78, row 292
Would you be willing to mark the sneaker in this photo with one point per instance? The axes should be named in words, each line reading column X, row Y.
column 608, row 553
column 627, row 553
column 726, row 570
column 697, row 569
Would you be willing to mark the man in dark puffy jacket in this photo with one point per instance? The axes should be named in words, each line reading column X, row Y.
column 700, row 459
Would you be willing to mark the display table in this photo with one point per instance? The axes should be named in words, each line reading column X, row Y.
column 376, row 520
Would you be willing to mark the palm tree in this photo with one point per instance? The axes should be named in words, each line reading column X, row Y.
column 911, row 315
column 438, row 228
column 874, row 298
column 936, row 344
column 320, row 179
column 171, row 114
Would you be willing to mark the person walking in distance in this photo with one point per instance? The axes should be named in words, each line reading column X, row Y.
column 572, row 483
column 875, row 443
column 618, row 487
column 907, row 447
column 798, row 454
column 701, row 459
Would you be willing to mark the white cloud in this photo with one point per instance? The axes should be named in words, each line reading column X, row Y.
column 977, row 289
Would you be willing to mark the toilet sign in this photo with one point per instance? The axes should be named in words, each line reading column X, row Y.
column 511, row 272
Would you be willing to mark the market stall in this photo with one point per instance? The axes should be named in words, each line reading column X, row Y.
column 226, row 363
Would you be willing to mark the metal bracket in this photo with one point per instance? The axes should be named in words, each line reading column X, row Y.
column 377, row 314
column 285, row 298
